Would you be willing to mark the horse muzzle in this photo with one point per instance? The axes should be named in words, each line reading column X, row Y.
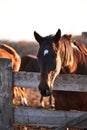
column 44, row 90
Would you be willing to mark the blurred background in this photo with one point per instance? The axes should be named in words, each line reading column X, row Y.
column 20, row 18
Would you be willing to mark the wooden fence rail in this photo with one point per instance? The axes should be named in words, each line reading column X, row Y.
column 37, row 117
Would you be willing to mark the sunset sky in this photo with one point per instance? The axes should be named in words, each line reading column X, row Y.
column 19, row 18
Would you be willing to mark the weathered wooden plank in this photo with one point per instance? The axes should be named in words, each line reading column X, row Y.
column 64, row 82
column 77, row 122
column 41, row 117
column 71, row 82
column 6, row 114
column 36, row 117
column 26, row 79
column 61, row 128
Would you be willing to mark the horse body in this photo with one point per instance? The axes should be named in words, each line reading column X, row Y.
column 8, row 52
column 29, row 63
column 59, row 54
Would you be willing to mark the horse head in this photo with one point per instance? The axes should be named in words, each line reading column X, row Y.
column 59, row 54
column 49, row 60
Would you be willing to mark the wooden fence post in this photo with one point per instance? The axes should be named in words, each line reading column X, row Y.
column 6, row 115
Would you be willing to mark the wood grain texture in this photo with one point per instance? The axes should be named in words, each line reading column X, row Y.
column 64, row 82
column 42, row 117
column 71, row 82
column 6, row 114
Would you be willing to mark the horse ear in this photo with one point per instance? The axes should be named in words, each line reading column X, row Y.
column 57, row 36
column 38, row 37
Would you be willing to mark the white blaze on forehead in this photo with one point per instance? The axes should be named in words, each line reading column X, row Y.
column 46, row 52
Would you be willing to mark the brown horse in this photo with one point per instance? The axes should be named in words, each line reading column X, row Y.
column 29, row 63
column 8, row 52
column 59, row 54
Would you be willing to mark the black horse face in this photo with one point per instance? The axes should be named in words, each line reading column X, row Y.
column 47, row 57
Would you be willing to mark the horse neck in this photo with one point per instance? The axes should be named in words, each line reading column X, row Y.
column 83, row 49
column 66, row 54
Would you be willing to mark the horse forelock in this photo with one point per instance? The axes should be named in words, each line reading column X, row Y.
column 48, row 39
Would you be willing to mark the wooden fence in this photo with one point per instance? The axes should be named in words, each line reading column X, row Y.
column 10, row 115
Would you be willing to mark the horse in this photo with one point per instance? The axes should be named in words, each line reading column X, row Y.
column 58, row 54
column 29, row 63
column 8, row 52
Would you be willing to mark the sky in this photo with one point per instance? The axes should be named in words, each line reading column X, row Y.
column 20, row 18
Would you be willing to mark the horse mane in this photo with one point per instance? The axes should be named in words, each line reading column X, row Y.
column 81, row 47
column 67, row 47
column 66, row 50
column 66, row 36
